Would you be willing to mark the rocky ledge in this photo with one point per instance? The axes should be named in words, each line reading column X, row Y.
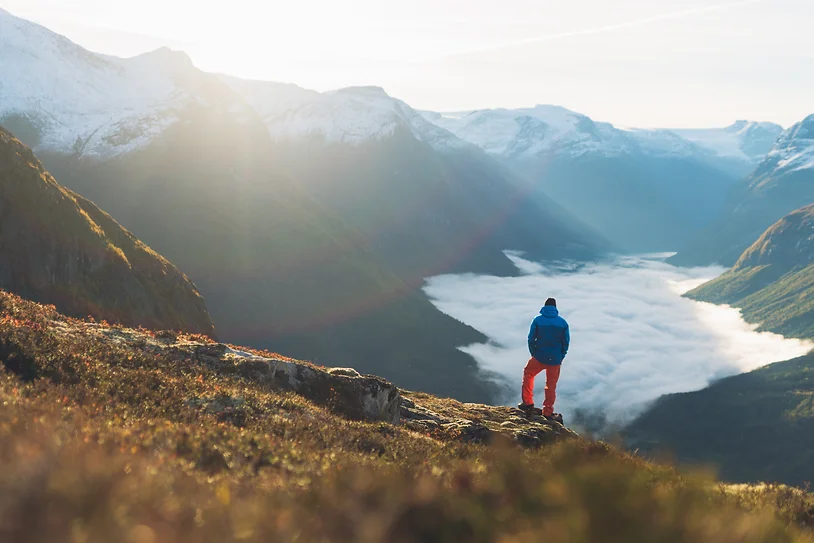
column 341, row 390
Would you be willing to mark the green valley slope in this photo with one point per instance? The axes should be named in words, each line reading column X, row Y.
column 57, row 247
column 773, row 281
column 758, row 426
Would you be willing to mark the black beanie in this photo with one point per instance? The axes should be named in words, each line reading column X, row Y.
column 551, row 302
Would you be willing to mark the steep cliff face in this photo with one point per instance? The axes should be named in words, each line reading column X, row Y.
column 59, row 248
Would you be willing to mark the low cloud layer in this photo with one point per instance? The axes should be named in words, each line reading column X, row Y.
column 634, row 338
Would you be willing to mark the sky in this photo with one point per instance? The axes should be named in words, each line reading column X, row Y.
column 643, row 63
column 633, row 337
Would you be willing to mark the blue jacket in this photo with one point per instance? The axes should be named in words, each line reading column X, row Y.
column 549, row 337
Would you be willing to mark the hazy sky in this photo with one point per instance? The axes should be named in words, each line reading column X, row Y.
column 669, row 63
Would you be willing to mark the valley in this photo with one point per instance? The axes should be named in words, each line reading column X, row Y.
column 239, row 309
column 634, row 336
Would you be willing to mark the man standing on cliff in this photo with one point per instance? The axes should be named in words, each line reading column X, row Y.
column 549, row 339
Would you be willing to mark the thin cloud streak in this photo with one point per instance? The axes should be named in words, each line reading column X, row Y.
column 634, row 337
column 595, row 30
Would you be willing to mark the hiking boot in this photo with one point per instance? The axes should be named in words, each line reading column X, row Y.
column 556, row 417
column 529, row 409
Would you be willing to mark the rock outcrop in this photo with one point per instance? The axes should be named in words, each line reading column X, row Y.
column 342, row 391
column 477, row 423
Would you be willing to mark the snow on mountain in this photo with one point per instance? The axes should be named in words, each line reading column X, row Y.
column 71, row 100
column 270, row 99
column 745, row 140
column 61, row 97
column 545, row 129
column 794, row 150
column 356, row 115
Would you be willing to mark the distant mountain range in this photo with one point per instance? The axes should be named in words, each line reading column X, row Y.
column 307, row 220
column 783, row 182
column 310, row 220
column 665, row 184
column 59, row 248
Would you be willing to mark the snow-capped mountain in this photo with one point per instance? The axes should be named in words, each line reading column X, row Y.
column 526, row 134
column 783, row 182
column 665, row 185
column 270, row 99
column 794, row 151
column 60, row 97
column 546, row 130
column 353, row 116
column 745, row 141
column 297, row 214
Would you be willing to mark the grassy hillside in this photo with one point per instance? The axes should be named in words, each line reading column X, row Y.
column 110, row 434
column 757, row 426
column 773, row 281
column 57, row 247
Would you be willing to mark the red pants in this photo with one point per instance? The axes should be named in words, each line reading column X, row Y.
column 552, row 376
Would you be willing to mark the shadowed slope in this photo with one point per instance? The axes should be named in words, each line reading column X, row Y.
column 57, row 247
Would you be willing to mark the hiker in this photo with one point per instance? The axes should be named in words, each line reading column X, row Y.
column 549, row 339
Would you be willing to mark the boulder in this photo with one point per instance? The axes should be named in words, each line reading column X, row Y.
column 343, row 391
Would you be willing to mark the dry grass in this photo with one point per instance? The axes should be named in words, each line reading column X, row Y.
column 100, row 442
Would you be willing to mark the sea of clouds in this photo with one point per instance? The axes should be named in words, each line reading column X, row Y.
column 634, row 337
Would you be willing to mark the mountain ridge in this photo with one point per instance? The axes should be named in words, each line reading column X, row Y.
column 778, row 186
column 60, row 248
column 773, row 281
column 311, row 245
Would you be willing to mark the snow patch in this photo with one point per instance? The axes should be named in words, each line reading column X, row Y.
column 794, row 150
column 745, row 140
column 546, row 129
column 356, row 115
column 82, row 102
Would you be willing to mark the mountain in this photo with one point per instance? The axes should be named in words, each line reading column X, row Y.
column 666, row 186
column 127, row 435
column 59, row 248
column 64, row 98
column 783, row 182
column 743, row 144
column 756, row 426
column 427, row 201
column 279, row 270
column 773, row 281
column 308, row 221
